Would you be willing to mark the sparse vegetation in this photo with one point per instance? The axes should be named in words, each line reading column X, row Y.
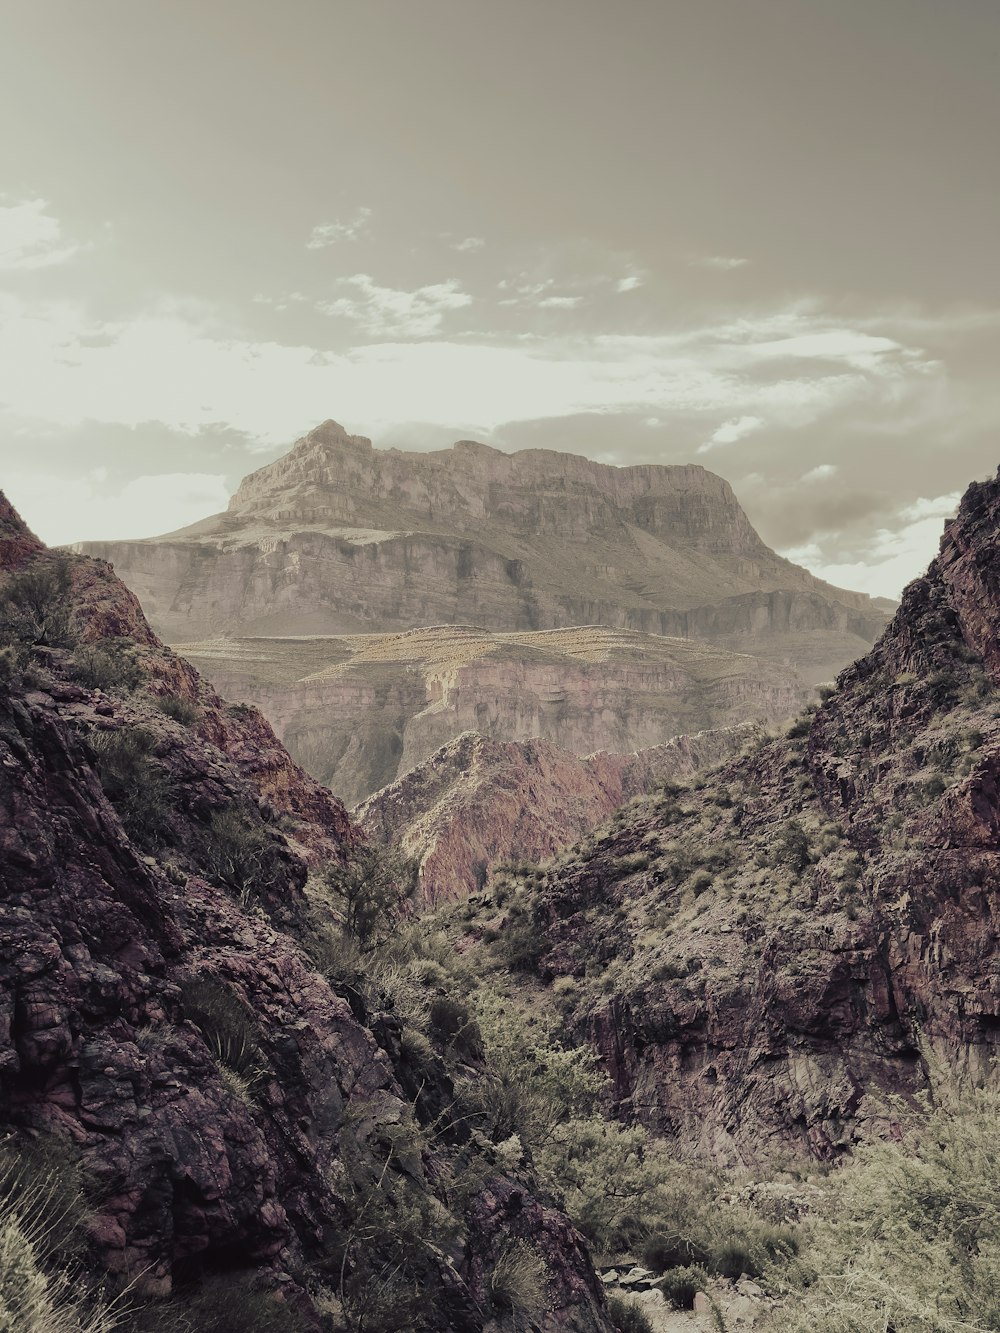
column 109, row 664
column 184, row 711
column 229, row 1030
column 239, row 854
column 134, row 782
column 35, row 609
column 517, row 1284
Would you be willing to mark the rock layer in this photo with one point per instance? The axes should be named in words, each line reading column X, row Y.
column 359, row 711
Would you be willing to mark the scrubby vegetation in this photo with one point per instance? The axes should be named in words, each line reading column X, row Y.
column 135, row 783
column 184, row 711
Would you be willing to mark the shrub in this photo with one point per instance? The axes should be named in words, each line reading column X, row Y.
column 451, row 1022
column 225, row 1303
column 35, row 608
column 792, row 847
column 136, row 785
column 664, row 1251
column 184, row 711
column 108, row 665
column 228, row 1028
column 732, row 1260
column 681, row 1286
column 239, row 854
column 628, row 1317
column 517, row 1283
column 369, row 890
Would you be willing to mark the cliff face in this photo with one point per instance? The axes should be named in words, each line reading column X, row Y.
column 338, row 538
column 478, row 802
column 159, row 1017
column 754, row 953
column 359, row 711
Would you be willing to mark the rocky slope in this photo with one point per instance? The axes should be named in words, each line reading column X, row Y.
column 341, row 538
column 754, row 953
column 479, row 802
column 359, row 711
column 164, row 1034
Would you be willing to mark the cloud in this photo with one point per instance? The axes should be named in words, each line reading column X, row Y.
column 821, row 473
column 30, row 237
column 723, row 262
column 391, row 312
column 629, row 283
column 892, row 557
column 329, row 233
column 61, row 509
column 470, row 243
column 559, row 302
column 731, row 431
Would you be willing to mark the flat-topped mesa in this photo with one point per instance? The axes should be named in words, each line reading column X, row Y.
column 330, row 477
column 338, row 537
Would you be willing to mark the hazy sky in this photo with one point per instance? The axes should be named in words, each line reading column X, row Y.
column 761, row 235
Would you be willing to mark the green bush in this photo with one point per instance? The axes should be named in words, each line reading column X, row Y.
column 226, row 1303
column 184, row 711
column 136, row 785
column 627, row 1317
column 732, row 1260
column 229, row 1030
column 369, row 891
column 239, row 854
column 517, row 1284
column 107, row 665
column 452, row 1023
column 681, row 1286
column 664, row 1251
column 35, row 609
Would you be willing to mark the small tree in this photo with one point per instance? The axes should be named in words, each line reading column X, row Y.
column 35, row 608
column 370, row 890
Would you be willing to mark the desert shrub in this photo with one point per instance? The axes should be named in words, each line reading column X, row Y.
column 108, row 665
column 229, row 1030
column 664, row 1251
column 184, row 711
column 517, row 1284
column 681, row 1286
column 35, row 608
column 369, row 891
column 732, row 1260
column 42, row 1219
column 136, row 785
column 908, row 1234
column 792, row 847
column 239, row 854
column 800, row 727
column 452, row 1023
column 224, row 1303
column 627, row 1317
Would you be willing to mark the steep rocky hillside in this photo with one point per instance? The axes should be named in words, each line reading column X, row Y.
column 188, row 1084
column 754, row 953
column 358, row 711
column 478, row 802
column 341, row 538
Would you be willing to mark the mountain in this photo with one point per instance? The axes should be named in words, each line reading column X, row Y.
column 755, row 952
column 358, row 711
column 478, row 802
column 340, row 538
column 208, row 1105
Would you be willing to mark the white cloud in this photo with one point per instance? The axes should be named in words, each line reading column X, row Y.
column 391, row 312
column 30, row 237
column 893, row 557
column 470, row 243
column 737, row 428
column 62, row 510
column 176, row 367
column 329, row 233
column 629, row 283
column 718, row 261
column 821, row 473
column 559, row 302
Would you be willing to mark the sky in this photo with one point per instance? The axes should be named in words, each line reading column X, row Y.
column 759, row 236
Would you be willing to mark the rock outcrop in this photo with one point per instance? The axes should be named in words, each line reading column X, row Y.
column 341, row 538
column 479, row 802
column 754, row 953
column 359, row 711
column 160, row 1019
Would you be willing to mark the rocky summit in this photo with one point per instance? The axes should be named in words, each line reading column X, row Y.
column 338, row 537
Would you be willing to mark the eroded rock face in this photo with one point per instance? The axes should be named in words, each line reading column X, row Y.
column 107, row 939
column 804, row 926
column 478, row 802
column 341, row 538
column 360, row 711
